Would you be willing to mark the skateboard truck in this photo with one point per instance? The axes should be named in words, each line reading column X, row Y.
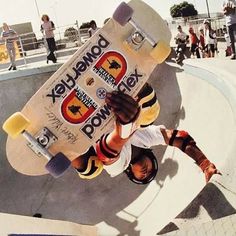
column 16, row 125
column 38, row 144
column 138, row 37
column 160, row 49
column 45, row 138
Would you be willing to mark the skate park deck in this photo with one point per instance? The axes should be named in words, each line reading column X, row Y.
column 198, row 97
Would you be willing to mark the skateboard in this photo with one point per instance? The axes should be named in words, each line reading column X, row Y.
column 68, row 113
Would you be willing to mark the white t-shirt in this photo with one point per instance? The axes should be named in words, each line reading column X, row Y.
column 47, row 28
column 144, row 138
column 182, row 36
column 208, row 39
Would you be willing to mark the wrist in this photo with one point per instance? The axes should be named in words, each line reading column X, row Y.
column 204, row 164
column 125, row 129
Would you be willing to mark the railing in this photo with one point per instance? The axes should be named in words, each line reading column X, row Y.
column 33, row 44
column 217, row 24
column 70, row 36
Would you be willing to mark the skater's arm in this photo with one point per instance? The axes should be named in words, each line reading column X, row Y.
column 186, row 143
column 131, row 114
column 126, row 111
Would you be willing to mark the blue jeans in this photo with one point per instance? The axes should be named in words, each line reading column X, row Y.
column 232, row 32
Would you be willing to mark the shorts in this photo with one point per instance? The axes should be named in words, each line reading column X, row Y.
column 210, row 48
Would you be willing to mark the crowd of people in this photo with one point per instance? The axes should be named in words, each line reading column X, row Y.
column 202, row 45
column 203, row 42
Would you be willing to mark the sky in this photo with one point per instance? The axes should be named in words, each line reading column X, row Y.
column 66, row 12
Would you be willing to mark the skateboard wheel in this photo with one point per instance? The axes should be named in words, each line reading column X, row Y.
column 160, row 52
column 123, row 13
column 15, row 124
column 58, row 165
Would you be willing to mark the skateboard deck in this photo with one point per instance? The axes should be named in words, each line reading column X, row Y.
column 25, row 225
column 68, row 113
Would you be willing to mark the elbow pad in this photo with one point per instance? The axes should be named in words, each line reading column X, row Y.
column 104, row 152
column 92, row 166
column 150, row 107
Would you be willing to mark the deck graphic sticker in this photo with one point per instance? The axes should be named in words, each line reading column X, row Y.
column 78, row 106
column 111, row 68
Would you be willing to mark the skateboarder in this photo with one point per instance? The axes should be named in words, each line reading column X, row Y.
column 127, row 147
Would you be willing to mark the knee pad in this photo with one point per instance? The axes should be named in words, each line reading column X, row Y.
column 104, row 152
column 92, row 165
column 150, row 107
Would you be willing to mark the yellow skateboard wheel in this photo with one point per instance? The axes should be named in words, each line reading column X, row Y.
column 160, row 52
column 15, row 124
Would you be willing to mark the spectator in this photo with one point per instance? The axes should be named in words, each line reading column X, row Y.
column 228, row 50
column 210, row 38
column 202, row 44
column 47, row 29
column 229, row 9
column 93, row 28
column 181, row 40
column 194, row 41
column 9, row 36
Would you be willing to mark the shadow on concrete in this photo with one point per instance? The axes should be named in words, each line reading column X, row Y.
column 211, row 199
column 214, row 202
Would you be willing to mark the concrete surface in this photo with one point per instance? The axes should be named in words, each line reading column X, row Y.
column 41, row 57
column 24, row 225
column 223, row 226
column 200, row 99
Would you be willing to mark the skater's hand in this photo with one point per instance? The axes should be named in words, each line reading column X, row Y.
column 210, row 171
column 124, row 106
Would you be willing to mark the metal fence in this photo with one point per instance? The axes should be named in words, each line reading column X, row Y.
column 33, row 44
column 71, row 36
column 217, row 24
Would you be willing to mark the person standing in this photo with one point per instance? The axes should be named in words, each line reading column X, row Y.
column 93, row 28
column 210, row 37
column 202, row 42
column 181, row 40
column 47, row 29
column 229, row 9
column 228, row 50
column 9, row 36
column 194, row 41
